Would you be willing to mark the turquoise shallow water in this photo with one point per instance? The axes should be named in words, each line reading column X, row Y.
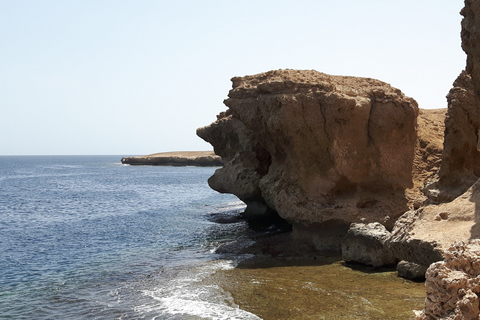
column 84, row 237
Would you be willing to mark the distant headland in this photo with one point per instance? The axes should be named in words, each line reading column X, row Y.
column 177, row 158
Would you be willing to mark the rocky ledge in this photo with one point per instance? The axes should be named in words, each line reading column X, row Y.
column 181, row 158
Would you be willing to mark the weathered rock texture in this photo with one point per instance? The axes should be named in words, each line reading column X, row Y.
column 365, row 243
column 461, row 160
column 323, row 150
column 453, row 285
column 436, row 227
column 180, row 158
column 471, row 40
column 461, row 157
column 411, row 270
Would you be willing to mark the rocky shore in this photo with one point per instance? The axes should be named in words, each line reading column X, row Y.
column 179, row 158
column 358, row 169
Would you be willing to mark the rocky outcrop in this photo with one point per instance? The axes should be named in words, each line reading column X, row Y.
column 436, row 227
column 453, row 285
column 471, row 40
column 461, row 160
column 420, row 237
column 245, row 162
column 461, row 154
column 182, row 158
column 324, row 151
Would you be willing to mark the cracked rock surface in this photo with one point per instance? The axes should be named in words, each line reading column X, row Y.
column 318, row 149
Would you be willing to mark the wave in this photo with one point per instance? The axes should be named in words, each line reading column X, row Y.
column 187, row 294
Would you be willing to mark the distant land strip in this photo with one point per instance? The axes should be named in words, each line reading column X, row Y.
column 177, row 158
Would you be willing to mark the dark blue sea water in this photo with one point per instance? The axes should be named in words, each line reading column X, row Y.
column 84, row 237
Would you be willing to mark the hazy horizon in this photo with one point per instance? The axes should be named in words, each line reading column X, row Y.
column 117, row 77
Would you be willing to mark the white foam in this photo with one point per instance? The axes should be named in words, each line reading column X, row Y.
column 186, row 296
column 229, row 206
column 177, row 306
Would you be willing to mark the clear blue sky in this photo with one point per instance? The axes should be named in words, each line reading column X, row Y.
column 139, row 76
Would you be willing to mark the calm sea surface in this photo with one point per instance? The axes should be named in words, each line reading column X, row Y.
column 84, row 237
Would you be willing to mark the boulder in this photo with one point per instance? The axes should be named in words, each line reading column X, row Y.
column 411, row 270
column 365, row 244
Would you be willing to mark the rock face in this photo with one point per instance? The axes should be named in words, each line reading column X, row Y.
column 317, row 149
column 436, row 227
column 181, row 158
column 461, row 160
column 453, row 285
column 461, row 154
column 365, row 243
column 471, row 40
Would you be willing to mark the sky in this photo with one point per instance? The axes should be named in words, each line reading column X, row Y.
column 87, row 77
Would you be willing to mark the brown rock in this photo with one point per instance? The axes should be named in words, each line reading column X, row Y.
column 471, row 40
column 422, row 235
column 177, row 158
column 245, row 162
column 322, row 149
column 411, row 270
column 453, row 285
column 461, row 157
column 333, row 143
column 365, row 243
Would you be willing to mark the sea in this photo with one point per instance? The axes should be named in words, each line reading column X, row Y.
column 85, row 237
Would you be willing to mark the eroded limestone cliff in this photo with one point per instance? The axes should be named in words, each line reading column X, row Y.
column 452, row 213
column 324, row 151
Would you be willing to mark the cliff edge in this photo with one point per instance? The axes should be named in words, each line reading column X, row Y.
column 324, row 151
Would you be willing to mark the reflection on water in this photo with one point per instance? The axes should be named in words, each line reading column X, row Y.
column 319, row 289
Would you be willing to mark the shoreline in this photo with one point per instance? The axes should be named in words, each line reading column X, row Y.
column 294, row 290
column 176, row 158
column 298, row 289
column 278, row 279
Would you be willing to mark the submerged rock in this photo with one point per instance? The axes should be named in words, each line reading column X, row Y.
column 411, row 270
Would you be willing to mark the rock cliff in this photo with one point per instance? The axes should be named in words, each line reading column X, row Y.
column 328, row 151
column 461, row 159
column 324, row 151
column 453, row 285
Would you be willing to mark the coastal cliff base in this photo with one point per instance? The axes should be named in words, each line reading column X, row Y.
column 324, row 151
